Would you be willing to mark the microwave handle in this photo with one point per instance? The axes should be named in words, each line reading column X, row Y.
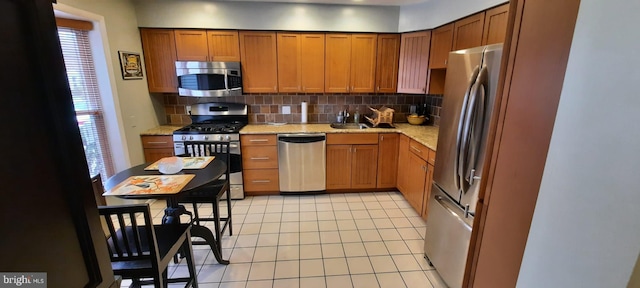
column 226, row 80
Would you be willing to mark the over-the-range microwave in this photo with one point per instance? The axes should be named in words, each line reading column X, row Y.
column 209, row 79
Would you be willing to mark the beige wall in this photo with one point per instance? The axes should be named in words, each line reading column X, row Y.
column 135, row 108
column 431, row 14
column 266, row 16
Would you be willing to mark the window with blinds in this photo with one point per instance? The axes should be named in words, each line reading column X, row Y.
column 86, row 99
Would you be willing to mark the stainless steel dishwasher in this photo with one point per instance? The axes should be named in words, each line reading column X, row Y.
column 302, row 162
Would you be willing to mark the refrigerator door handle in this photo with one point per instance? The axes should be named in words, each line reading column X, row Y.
column 463, row 111
column 444, row 205
column 476, row 129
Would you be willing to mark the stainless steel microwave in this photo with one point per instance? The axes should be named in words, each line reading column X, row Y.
column 209, row 79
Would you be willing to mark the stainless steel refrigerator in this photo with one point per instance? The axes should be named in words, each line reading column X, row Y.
column 469, row 94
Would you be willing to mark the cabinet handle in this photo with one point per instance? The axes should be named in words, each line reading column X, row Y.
column 275, row 88
column 445, row 61
column 261, row 181
column 259, row 158
column 378, row 88
column 157, row 142
column 259, row 140
column 416, row 149
column 381, row 137
column 424, row 89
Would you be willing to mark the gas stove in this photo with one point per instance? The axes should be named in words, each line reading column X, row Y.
column 217, row 122
column 213, row 122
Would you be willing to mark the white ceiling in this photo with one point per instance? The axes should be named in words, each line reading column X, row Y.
column 343, row 2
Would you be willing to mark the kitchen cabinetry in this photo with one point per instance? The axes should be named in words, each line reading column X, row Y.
column 403, row 159
column 158, row 47
column 415, row 173
column 259, row 62
column 441, row 44
column 259, row 164
column 300, row 62
column 387, row 160
column 495, row 25
column 207, row 45
column 156, row 147
column 352, row 161
column 414, row 62
column 350, row 63
column 387, row 63
column 467, row 32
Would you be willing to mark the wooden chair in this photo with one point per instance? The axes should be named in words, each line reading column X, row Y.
column 139, row 249
column 98, row 190
column 213, row 192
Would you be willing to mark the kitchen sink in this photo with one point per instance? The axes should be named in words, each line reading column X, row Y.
column 349, row 126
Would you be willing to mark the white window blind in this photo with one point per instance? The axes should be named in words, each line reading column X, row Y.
column 86, row 99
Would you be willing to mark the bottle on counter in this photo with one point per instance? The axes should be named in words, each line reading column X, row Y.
column 356, row 116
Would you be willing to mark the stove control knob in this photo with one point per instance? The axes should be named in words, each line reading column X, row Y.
column 206, row 137
column 184, row 138
column 220, row 137
column 228, row 138
column 190, row 137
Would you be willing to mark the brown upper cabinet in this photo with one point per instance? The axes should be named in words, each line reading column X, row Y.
column 387, row 63
column 159, row 49
column 441, row 44
column 467, row 32
column 207, row 45
column 350, row 62
column 259, row 61
column 414, row 62
column 300, row 62
column 495, row 25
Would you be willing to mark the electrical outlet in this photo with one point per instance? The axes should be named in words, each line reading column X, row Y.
column 286, row 109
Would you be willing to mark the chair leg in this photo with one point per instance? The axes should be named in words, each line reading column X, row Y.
column 159, row 280
column 190, row 262
column 229, row 211
column 195, row 212
column 216, row 217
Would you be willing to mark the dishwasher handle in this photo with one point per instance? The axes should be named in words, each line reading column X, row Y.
column 301, row 138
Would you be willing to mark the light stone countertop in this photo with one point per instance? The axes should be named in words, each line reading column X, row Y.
column 163, row 130
column 425, row 135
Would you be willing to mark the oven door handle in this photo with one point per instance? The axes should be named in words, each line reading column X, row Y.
column 233, row 145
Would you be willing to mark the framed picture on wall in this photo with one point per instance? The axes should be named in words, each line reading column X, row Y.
column 131, row 65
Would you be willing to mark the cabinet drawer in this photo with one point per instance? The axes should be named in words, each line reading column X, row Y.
column 432, row 157
column 355, row 138
column 259, row 157
column 157, row 141
column 419, row 149
column 261, row 180
column 258, row 140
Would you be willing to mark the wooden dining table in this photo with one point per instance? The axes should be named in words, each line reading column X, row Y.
column 213, row 171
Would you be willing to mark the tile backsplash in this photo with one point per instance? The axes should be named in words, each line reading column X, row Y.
column 322, row 108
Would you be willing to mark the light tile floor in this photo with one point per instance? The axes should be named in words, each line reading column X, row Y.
column 328, row 240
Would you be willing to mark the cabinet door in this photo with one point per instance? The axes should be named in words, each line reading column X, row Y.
column 467, row 33
column 191, row 45
column 387, row 63
column 338, row 167
column 414, row 62
column 223, row 45
column 364, row 166
column 363, row 62
column 289, row 62
column 259, row 61
column 312, row 57
column 427, row 191
column 387, row 160
column 159, row 49
column 403, row 162
column 155, row 154
column 495, row 25
column 417, row 172
column 337, row 63
column 441, row 43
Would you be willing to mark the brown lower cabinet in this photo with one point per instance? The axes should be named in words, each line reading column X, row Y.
column 156, row 147
column 387, row 160
column 260, row 164
column 415, row 173
column 352, row 161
